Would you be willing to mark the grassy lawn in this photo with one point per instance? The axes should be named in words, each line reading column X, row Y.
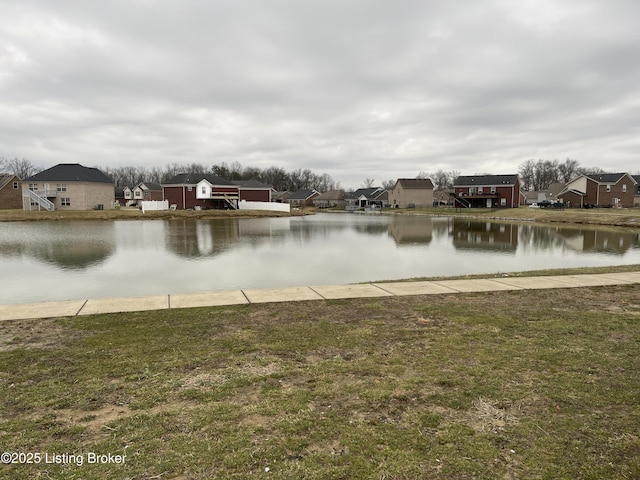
column 526, row 384
column 603, row 216
column 132, row 214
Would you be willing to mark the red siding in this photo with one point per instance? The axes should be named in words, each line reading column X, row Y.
column 255, row 195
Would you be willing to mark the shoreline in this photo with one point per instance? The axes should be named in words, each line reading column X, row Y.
column 625, row 218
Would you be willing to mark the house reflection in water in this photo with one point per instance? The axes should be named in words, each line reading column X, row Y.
column 204, row 238
column 600, row 241
column 411, row 230
column 475, row 235
column 67, row 245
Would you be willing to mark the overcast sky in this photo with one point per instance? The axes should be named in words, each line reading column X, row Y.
column 353, row 88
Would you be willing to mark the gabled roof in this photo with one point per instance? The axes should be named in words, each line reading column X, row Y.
column 303, row 194
column 150, row 186
column 70, row 172
column 195, row 178
column 415, row 183
column 608, row 177
column 6, row 179
column 370, row 193
column 485, row 180
column 331, row 195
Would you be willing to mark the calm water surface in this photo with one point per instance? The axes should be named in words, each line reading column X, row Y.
column 51, row 261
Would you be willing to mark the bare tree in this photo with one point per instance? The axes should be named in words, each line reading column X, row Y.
column 368, row 183
column 21, row 168
column 568, row 170
column 389, row 184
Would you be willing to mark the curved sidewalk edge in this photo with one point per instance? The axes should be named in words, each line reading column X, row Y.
column 74, row 308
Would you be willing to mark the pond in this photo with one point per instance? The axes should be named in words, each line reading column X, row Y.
column 53, row 261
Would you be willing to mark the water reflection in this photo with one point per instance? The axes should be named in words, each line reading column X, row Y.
column 67, row 245
column 89, row 259
column 411, row 230
column 479, row 236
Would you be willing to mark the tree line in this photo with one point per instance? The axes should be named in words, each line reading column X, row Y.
column 130, row 176
column 535, row 175
column 538, row 175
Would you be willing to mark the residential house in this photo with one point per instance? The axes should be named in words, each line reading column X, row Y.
column 600, row 190
column 120, row 196
column 147, row 191
column 68, row 186
column 487, row 191
column 442, row 197
column 376, row 197
column 330, row 199
column 636, row 190
column 280, row 197
column 254, row 191
column 10, row 191
column 206, row 191
column 411, row 193
column 127, row 194
column 302, row 198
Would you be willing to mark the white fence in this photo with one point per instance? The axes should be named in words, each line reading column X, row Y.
column 277, row 207
column 155, row 205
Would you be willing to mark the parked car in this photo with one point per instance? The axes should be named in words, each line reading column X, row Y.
column 545, row 203
column 534, row 205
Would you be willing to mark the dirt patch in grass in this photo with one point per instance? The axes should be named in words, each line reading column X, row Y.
column 521, row 384
column 42, row 334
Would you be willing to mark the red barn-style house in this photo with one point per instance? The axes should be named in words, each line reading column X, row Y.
column 207, row 191
column 487, row 191
column 187, row 191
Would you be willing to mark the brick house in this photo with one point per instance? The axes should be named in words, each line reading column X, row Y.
column 68, row 186
column 303, row 198
column 10, row 191
column 487, row 191
column 600, row 190
column 411, row 192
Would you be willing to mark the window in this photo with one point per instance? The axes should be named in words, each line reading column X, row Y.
column 189, row 189
column 61, row 187
column 65, row 202
column 493, row 189
column 204, row 190
column 608, row 188
column 479, row 189
column 16, row 185
column 624, row 188
column 137, row 193
column 503, row 202
column 33, row 186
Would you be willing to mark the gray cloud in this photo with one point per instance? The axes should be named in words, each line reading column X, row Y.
column 359, row 89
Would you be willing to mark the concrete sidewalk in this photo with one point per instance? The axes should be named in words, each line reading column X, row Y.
column 326, row 292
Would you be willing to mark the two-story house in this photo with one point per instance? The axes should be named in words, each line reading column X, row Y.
column 599, row 190
column 487, row 191
column 68, row 186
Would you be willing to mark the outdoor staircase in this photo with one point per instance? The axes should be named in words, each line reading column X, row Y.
column 465, row 203
column 39, row 199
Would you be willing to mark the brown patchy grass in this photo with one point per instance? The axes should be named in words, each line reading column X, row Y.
column 523, row 384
